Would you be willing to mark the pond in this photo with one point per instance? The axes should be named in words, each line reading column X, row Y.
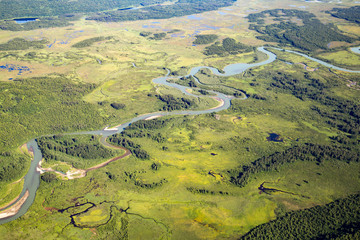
column 273, row 137
column 24, row 20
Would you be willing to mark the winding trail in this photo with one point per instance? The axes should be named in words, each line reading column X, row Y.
column 32, row 178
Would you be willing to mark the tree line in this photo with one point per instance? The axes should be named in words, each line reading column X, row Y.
column 22, row 44
column 132, row 176
column 173, row 103
column 206, row 191
column 17, row 8
column 58, row 102
column 228, row 46
column 205, row 39
column 42, row 22
column 309, row 36
column 134, row 148
column 351, row 14
column 12, row 166
column 307, row 152
column 179, row 8
column 336, row 220
column 142, row 133
column 84, row 148
column 149, row 124
column 344, row 114
column 90, row 41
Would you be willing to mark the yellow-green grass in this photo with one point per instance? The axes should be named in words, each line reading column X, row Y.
column 95, row 216
column 131, row 88
column 325, row 131
column 350, row 28
column 121, row 48
column 197, row 215
column 343, row 90
column 170, row 210
column 61, row 167
column 192, row 146
column 149, row 228
column 64, row 166
column 212, row 216
column 10, row 192
column 343, row 58
column 318, row 183
column 221, row 62
column 294, row 58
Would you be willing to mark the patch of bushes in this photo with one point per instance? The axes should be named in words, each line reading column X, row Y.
column 205, row 39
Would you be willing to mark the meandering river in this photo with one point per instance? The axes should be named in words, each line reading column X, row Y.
column 32, row 178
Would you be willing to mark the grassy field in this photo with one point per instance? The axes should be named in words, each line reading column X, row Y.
column 10, row 192
column 196, row 215
column 343, row 58
column 184, row 189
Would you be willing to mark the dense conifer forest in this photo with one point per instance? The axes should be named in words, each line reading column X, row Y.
column 80, row 152
column 351, row 14
column 337, row 220
column 297, row 28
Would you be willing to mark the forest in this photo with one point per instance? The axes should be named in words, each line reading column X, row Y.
column 22, row 44
column 143, row 128
column 180, row 8
column 25, row 99
column 119, row 140
column 42, row 22
column 308, row 152
column 148, row 124
column 310, row 35
column 80, row 151
column 351, row 14
column 12, row 166
column 293, row 124
column 228, row 46
column 336, row 220
column 90, row 41
column 61, row 13
column 205, row 38
column 57, row 101
column 345, row 114
column 173, row 103
column 16, row 8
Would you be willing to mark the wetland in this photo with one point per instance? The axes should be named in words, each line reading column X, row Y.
column 147, row 135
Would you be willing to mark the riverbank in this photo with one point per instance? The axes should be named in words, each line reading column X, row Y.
column 26, row 151
column 225, row 102
column 15, row 208
column 12, row 201
column 221, row 102
column 80, row 173
column 153, row 117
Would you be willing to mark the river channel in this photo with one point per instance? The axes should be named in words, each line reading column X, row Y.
column 32, row 178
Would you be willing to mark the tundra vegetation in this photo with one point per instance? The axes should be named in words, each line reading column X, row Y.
column 281, row 162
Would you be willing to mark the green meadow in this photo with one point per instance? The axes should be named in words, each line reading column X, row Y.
column 190, row 184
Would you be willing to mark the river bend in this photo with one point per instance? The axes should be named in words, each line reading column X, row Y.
column 32, row 178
